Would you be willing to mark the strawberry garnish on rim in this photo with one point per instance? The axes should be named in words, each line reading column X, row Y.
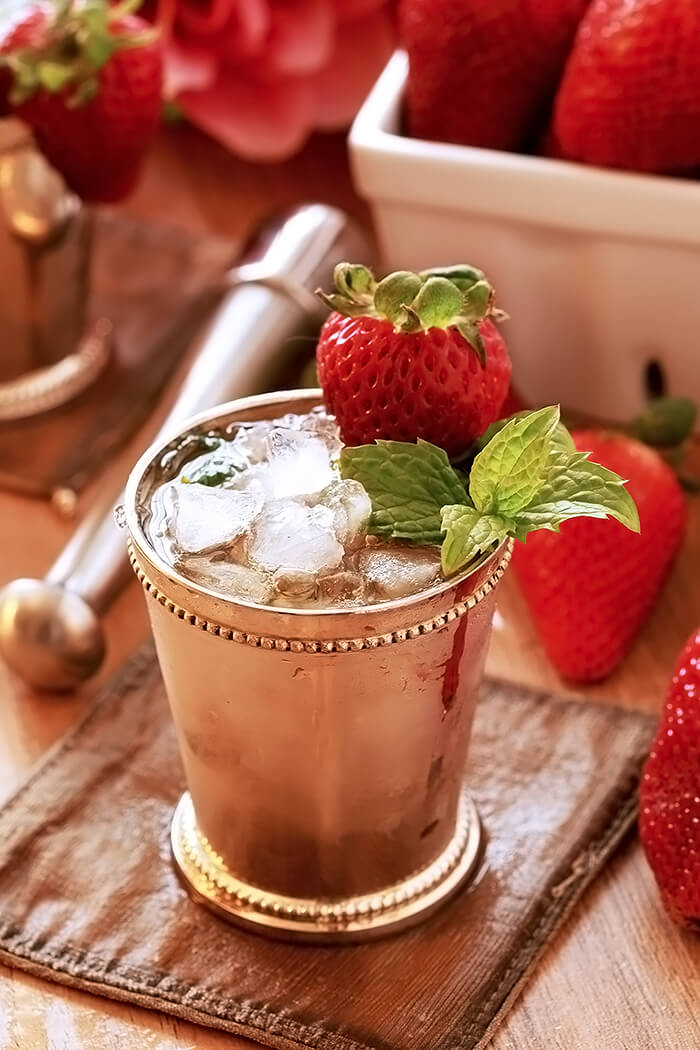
column 87, row 77
column 415, row 355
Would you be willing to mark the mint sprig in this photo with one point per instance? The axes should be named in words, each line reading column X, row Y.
column 408, row 485
column 507, row 474
column 468, row 535
column 527, row 475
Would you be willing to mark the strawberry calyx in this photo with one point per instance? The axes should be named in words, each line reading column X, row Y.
column 666, row 425
column 665, row 422
column 454, row 296
column 78, row 39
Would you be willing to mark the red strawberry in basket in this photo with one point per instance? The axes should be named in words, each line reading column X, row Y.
column 87, row 79
column 669, row 817
column 591, row 586
column 484, row 72
column 630, row 95
column 413, row 356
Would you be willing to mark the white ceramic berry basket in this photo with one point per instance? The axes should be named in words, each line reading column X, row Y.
column 599, row 270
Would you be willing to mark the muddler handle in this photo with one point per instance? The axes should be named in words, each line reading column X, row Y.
column 50, row 630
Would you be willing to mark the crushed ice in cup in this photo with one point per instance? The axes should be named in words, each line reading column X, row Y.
column 262, row 515
column 252, row 442
column 298, row 464
column 295, row 585
column 291, row 536
column 341, row 587
column 228, row 577
column 397, row 571
column 351, row 508
column 205, row 518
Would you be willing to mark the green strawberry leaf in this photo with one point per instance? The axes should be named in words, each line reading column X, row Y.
column 575, row 487
column 355, row 281
column 394, row 293
column 666, row 422
column 469, row 330
column 53, row 76
column 477, row 301
column 437, row 303
column 98, row 48
column 508, row 472
column 343, row 305
column 408, row 485
column 462, row 276
column 469, row 535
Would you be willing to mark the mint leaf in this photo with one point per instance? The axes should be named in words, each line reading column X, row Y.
column 575, row 487
column 509, row 471
column 562, row 440
column 408, row 486
column 528, row 476
column 215, row 467
column 469, row 534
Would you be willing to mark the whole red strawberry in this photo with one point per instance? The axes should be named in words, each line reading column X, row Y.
column 669, row 817
column 413, row 356
column 484, row 72
column 87, row 79
column 591, row 586
column 630, row 95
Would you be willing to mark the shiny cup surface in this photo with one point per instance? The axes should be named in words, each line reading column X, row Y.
column 324, row 751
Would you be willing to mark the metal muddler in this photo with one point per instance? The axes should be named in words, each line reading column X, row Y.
column 50, row 630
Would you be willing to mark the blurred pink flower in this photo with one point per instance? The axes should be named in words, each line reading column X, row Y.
column 260, row 75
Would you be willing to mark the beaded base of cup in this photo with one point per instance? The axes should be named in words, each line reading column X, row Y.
column 324, row 750
column 350, row 919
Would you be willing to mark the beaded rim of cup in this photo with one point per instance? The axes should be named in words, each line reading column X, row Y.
column 397, row 905
column 329, row 645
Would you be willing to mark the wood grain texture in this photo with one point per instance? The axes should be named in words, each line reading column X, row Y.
column 619, row 977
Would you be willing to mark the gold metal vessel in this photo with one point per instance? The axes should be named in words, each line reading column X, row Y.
column 324, row 751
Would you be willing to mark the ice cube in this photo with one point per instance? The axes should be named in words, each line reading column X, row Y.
column 252, row 441
column 325, row 427
column 393, row 571
column 227, row 577
column 205, row 518
column 351, row 508
column 299, row 464
column 339, row 588
column 295, row 585
column 291, row 536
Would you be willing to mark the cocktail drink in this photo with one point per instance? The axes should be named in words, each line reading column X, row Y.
column 261, row 513
column 321, row 613
column 322, row 681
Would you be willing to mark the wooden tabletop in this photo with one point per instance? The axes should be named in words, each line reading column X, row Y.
column 619, row 976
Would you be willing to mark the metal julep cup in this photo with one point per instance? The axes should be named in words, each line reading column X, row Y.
column 324, row 751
